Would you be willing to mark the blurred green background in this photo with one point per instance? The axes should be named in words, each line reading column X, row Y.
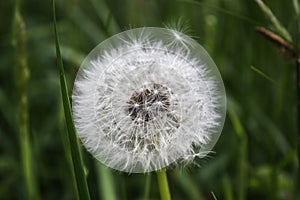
column 256, row 155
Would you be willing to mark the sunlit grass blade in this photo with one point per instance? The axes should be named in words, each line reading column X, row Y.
column 274, row 21
column 227, row 187
column 22, row 77
column 221, row 10
column 72, row 55
column 296, row 7
column 77, row 163
column 263, row 74
column 214, row 196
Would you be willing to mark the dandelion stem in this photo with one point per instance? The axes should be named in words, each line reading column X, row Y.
column 163, row 185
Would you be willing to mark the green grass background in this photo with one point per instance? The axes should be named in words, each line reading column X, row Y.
column 256, row 155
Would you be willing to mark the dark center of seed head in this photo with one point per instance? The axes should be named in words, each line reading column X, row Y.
column 145, row 105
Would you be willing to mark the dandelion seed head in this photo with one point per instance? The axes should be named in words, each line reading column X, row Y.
column 142, row 100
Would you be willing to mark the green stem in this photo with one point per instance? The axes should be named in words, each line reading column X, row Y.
column 106, row 182
column 22, row 77
column 147, row 186
column 298, row 118
column 275, row 22
column 76, row 157
column 242, row 154
column 163, row 185
column 296, row 6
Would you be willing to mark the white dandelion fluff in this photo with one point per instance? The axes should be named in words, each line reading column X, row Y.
column 146, row 98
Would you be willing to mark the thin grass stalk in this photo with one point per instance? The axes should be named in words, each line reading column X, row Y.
column 188, row 185
column 221, row 10
column 22, row 77
column 297, row 43
column 298, row 122
column 214, row 196
column 163, row 185
column 294, row 54
column 274, row 21
column 92, row 177
column 259, row 72
column 77, row 163
column 106, row 17
column 296, row 7
column 227, row 188
column 298, row 98
column 242, row 154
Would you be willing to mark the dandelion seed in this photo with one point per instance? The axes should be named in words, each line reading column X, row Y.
column 146, row 98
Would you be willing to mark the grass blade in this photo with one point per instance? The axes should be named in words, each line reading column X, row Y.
column 147, row 186
column 221, row 10
column 275, row 22
column 106, row 17
column 296, row 7
column 105, row 178
column 242, row 154
column 84, row 23
column 187, row 185
column 22, row 77
column 214, row 196
column 77, row 163
column 263, row 74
